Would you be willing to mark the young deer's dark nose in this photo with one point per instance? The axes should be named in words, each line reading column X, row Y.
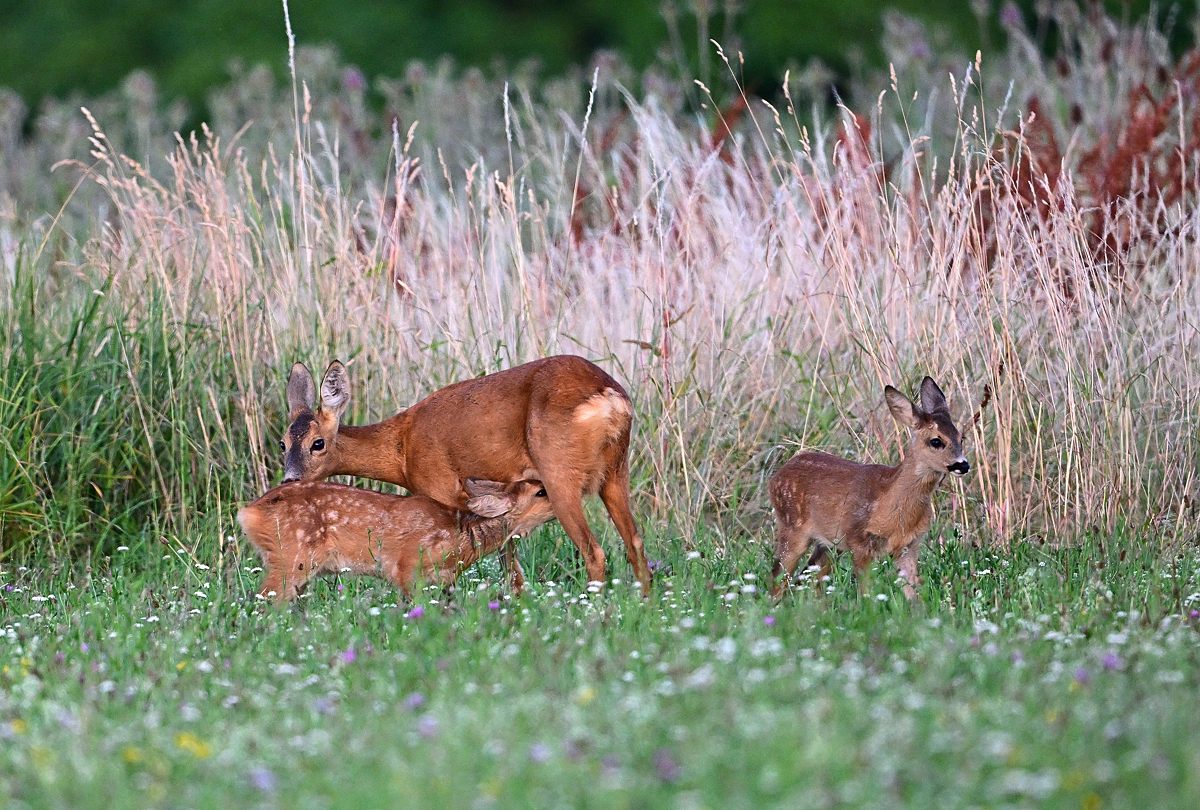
column 960, row 467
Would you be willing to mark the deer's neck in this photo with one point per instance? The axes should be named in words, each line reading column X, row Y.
column 372, row 451
column 907, row 496
column 481, row 536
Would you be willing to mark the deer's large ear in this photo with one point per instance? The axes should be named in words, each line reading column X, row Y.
column 903, row 411
column 301, row 391
column 488, row 499
column 335, row 389
column 932, row 398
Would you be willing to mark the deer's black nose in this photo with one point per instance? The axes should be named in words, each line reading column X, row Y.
column 961, row 467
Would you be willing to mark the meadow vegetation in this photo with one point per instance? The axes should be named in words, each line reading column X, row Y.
column 754, row 273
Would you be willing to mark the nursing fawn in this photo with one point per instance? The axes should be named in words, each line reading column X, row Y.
column 563, row 419
column 870, row 509
column 305, row 529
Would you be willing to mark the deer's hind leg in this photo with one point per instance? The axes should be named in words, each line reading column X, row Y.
column 791, row 544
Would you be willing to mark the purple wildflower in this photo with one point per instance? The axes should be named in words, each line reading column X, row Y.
column 324, row 705
column 1082, row 676
column 84, row 647
column 415, row 613
column 1111, row 661
column 427, row 726
column 348, row 655
column 769, row 620
column 1018, row 657
column 1194, row 614
column 414, row 701
column 539, row 753
column 666, row 767
column 262, row 780
column 494, row 605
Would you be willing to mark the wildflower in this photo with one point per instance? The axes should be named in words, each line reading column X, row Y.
column 132, row 754
column 539, row 753
column 186, row 741
column 666, row 767
column 769, row 620
column 585, row 695
column 1082, row 676
column 494, row 605
column 414, row 701
column 415, row 613
column 348, row 655
column 262, row 779
column 427, row 726
column 1111, row 661
column 324, row 705
column 18, row 726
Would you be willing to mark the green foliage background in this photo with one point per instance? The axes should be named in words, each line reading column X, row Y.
column 54, row 47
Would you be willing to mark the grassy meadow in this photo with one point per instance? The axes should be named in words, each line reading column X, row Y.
column 754, row 271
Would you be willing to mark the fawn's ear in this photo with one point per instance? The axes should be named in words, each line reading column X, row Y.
column 903, row 411
column 932, row 398
column 488, row 499
column 335, row 389
column 301, row 391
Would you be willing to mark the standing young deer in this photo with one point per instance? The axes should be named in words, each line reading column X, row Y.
column 303, row 530
column 871, row 509
column 560, row 418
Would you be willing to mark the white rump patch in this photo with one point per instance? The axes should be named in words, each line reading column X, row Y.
column 606, row 406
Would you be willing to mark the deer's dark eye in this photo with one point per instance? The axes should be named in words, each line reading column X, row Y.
column 936, row 443
column 541, row 493
column 319, row 444
column 282, row 447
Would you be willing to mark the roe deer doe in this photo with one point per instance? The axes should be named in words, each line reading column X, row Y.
column 305, row 529
column 872, row 509
column 560, row 418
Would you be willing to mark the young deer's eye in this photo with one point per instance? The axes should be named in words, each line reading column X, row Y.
column 282, row 447
column 319, row 444
column 936, row 443
column 541, row 493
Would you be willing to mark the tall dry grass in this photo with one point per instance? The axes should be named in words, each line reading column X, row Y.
column 754, row 288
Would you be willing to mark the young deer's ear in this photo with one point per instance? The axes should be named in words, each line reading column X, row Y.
column 301, row 391
column 488, row 499
column 903, row 411
column 335, row 389
column 932, row 398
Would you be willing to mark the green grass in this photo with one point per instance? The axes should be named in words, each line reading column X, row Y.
column 1032, row 678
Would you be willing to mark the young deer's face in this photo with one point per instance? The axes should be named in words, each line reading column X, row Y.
column 309, row 440
column 524, row 502
column 935, row 441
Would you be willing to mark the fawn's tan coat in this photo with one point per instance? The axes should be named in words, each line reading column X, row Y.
column 870, row 509
column 305, row 529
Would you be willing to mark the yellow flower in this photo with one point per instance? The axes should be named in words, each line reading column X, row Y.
column 585, row 695
column 132, row 754
column 42, row 757
column 18, row 726
column 181, row 666
column 1092, row 802
column 195, row 746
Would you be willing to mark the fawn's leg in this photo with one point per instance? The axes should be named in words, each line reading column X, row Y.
column 906, row 561
column 791, row 543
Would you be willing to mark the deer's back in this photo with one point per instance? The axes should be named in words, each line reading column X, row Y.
column 484, row 427
column 829, row 494
column 357, row 525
